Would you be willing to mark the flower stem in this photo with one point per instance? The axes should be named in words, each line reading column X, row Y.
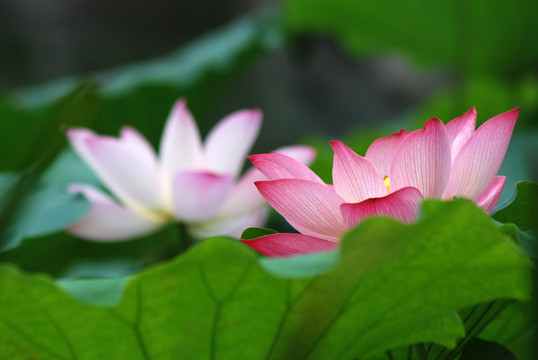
column 420, row 351
column 185, row 240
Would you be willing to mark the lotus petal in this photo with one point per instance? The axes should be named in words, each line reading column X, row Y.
column 490, row 197
column 355, row 178
column 181, row 146
column 381, row 152
column 198, row 195
column 401, row 205
column 422, row 160
column 108, row 221
column 311, row 208
column 127, row 166
column 460, row 130
column 229, row 142
column 479, row 160
column 281, row 245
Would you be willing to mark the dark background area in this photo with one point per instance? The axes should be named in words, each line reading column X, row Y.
column 309, row 84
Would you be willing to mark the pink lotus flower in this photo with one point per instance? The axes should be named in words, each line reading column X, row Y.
column 190, row 182
column 396, row 173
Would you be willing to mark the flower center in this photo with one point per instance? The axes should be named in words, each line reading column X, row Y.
column 386, row 180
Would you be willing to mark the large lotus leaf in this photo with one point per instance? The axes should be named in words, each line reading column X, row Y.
column 473, row 37
column 394, row 285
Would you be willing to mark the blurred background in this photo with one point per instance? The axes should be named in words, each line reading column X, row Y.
column 311, row 66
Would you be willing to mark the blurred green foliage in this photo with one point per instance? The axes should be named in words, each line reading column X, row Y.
column 471, row 37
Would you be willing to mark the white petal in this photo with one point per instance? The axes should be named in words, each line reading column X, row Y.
column 244, row 198
column 229, row 226
column 230, row 140
column 301, row 153
column 198, row 195
column 127, row 166
column 108, row 221
column 181, row 147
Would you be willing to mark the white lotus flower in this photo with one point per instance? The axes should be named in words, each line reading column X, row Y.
column 189, row 182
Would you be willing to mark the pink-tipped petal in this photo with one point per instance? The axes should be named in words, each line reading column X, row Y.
column 127, row 166
column 402, row 205
column 181, row 146
column 108, row 221
column 381, row 152
column 229, row 142
column 229, row 226
column 199, row 195
column 301, row 153
column 490, row 197
column 278, row 166
column 460, row 130
column 282, row 245
column 311, row 208
column 422, row 160
column 481, row 157
column 355, row 178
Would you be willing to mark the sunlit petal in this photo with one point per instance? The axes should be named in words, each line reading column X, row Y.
column 490, row 197
column 422, row 160
column 278, row 166
column 381, row 152
column 460, row 130
column 480, row 158
column 355, row 178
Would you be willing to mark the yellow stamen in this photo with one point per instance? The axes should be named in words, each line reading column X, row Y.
column 386, row 180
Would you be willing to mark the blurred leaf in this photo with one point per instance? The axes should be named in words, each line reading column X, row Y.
column 523, row 209
column 528, row 241
column 256, row 232
column 140, row 95
column 515, row 328
column 44, row 211
column 64, row 256
column 67, row 169
column 217, row 52
column 35, row 137
column 490, row 96
column 472, row 37
column 395, row 284
column 7, row 182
